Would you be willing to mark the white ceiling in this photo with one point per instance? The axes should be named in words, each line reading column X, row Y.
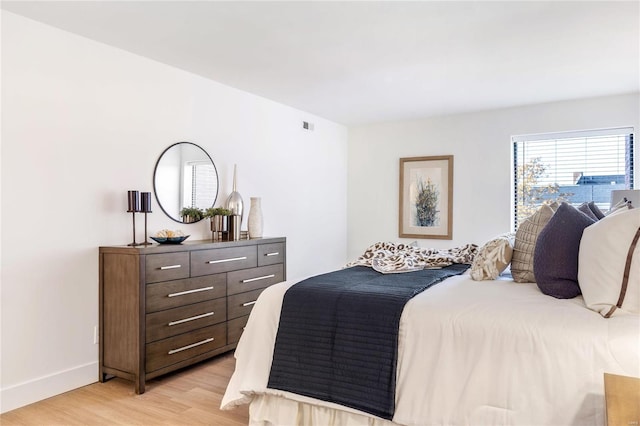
column 358, row 62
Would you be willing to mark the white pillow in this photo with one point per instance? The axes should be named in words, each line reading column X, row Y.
column 622, row 205
column 492, row 258
column 606, row 251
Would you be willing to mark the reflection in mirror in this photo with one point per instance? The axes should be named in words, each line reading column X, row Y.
column 185, row 176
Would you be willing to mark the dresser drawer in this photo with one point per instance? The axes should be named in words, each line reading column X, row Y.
column 179, row 348
column 270, row 254
column 171, row 294
column 175, row 321
column 166, row 266
column 255, row 278
column 235, row 327
column 205, row 262
column 241, row 304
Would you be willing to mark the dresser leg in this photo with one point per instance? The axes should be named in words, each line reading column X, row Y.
column 140, row 384
column 104, row 377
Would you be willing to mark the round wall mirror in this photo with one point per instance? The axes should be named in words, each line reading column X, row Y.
column 185, row 177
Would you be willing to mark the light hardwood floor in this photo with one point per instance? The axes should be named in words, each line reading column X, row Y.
column 188, row 397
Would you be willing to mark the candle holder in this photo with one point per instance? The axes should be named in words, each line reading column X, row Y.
column 146, row 208
column 133, row 215
column 134, row 207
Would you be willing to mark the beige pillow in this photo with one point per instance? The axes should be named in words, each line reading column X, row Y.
column 525, row 244
column 619, row 208
column 493, row 258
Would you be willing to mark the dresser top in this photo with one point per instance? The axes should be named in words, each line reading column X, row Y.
column 188, row 245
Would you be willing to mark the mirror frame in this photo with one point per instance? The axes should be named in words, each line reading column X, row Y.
column 155, row 171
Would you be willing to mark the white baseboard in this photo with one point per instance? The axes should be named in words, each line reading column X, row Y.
column 35, row 390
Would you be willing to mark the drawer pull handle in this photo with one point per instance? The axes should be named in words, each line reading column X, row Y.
column 163, row 268
column 248, row 304
column 193, row 345
column 182, row 293
column 208, row 314
column 272, row 254
column 233, row 259
column 264, row 277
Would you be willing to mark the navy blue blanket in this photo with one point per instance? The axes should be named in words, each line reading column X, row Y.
column 338, row 335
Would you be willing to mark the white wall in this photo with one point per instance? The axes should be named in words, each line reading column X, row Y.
column 481, row 145
column 82, row 123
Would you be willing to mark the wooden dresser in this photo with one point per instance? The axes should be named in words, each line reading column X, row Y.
column 164, row 307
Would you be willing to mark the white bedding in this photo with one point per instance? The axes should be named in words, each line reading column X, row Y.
column 470, row 352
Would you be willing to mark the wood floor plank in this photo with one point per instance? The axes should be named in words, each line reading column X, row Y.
column 188, row 397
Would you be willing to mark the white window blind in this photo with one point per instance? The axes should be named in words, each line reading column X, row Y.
column 575, row 167
column 200, row 183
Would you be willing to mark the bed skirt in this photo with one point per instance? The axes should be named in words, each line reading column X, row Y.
column 272, row 410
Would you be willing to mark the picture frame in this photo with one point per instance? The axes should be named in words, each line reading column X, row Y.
column 426, row 197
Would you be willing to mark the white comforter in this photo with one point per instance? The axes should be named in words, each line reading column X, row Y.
column 476, row 352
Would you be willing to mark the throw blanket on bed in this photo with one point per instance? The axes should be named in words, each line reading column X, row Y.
column 338, row 335
column 390, row 258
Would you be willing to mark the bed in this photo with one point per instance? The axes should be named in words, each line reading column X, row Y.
column 469, row 353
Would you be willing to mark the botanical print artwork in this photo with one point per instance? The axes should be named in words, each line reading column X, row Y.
column 426, row 197
column 426, row 208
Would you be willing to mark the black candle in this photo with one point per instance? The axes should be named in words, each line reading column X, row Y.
column 146, row 202
column 134, row 201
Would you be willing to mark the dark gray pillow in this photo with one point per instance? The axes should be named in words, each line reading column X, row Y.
column 555, row 260
column 596, row 210
column 584, row 208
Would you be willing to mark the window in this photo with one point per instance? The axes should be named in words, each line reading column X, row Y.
column 575, row 167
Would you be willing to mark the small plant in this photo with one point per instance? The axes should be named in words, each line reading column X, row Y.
column 217, row 211
column 193, row 213
column 219, row 220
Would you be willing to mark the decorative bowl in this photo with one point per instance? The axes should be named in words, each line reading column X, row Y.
column 170, row 240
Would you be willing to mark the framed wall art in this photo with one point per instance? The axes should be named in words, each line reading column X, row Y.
column 426, row 197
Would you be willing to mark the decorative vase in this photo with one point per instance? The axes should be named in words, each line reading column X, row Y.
column 255, row 218
column 219, row 225
column 234, row 227
column 234, row 201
